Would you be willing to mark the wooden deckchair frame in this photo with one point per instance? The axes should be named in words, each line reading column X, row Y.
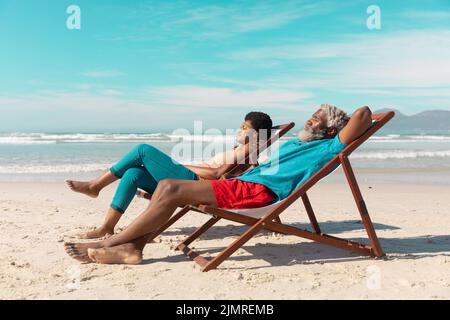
column 270, row 221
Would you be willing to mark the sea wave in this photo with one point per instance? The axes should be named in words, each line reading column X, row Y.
column 409, row 138
column 19, row 138
column 61, row 168
column 43, row 169
column 47, row 138
column 401, row 154
column 386, row 137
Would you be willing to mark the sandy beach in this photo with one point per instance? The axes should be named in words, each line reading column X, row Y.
column 412, row 222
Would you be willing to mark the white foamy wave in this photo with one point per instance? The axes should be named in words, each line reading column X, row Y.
column 18, row 140
column 426, row 137
column 409, row 138
column 409, row 141
column 42, row 169
column 401, row 154
column 46, row 138
column 387, row 137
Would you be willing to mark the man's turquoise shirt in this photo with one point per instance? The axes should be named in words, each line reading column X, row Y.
column 294, row 163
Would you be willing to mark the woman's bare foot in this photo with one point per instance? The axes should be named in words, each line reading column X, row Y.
column 83, row 187
column 97, row 233
column 123, row 254
column 79, row 251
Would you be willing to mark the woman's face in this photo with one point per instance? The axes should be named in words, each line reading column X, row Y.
column 246, row 130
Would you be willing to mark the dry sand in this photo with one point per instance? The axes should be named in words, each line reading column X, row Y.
column 412, row 221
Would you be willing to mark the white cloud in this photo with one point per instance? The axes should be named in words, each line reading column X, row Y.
column 401, row 59
column 145, row 110
column 163, row 100
column 49, row 101
column 405, row 92
column 203, row 97
column 262, row 15
column 187, row 20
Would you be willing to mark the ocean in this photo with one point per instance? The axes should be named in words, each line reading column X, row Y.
column 60, row 156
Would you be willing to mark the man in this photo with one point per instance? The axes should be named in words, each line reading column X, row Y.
column 325, row 134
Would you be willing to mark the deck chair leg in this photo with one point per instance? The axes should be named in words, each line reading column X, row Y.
column 247, row 235
column 361, row 206
column 310, row 212
column 277, row 219
column 171, row 221
column 198, row 232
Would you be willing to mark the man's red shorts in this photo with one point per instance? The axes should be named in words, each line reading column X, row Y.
column 237, row 194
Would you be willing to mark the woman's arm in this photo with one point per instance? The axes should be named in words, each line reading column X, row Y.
column 238, row 171
column 210, row 173
column 216, row 173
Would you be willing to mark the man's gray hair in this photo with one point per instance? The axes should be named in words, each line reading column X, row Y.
column 337, row 118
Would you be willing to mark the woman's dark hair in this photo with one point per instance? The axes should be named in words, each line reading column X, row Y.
column 260, row 120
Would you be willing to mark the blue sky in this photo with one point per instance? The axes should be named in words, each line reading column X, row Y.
column 152, row 65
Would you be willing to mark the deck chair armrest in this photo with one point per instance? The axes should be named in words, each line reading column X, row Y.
column 378, row 116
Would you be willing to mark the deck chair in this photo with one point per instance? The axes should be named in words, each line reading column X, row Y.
column 266, row 217
column 277, row 132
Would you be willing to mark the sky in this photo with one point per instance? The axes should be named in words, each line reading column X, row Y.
column 149, row 66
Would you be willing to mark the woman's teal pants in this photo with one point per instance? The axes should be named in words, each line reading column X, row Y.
column 143, row 167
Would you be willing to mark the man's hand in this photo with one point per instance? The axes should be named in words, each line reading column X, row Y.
column 360, row 121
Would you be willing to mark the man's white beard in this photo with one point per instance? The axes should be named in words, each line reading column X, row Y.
column 309, row 134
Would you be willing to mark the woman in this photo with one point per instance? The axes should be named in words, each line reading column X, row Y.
column 144, row 166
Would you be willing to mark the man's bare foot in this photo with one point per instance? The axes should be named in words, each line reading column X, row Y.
column 83, row 187
column 97, row 233
column 123, row 254
column 79, row 251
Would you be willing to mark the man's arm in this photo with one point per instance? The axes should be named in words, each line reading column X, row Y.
column 360, row 121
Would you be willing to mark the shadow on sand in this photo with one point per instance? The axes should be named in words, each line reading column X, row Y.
column 306, row 252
